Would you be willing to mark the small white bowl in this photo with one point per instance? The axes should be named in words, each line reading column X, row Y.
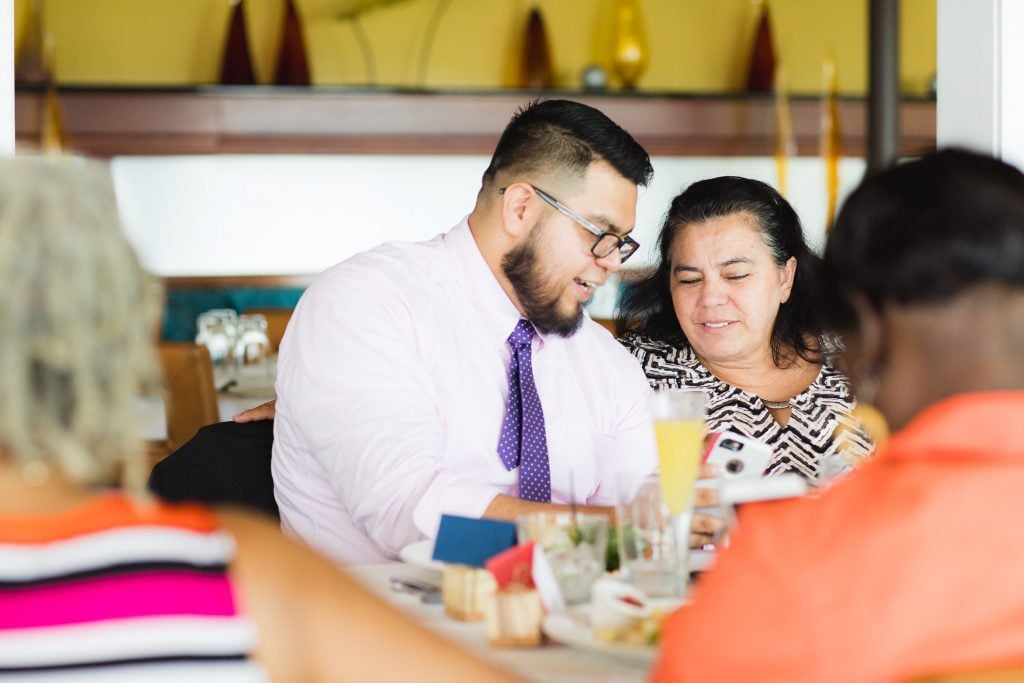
column 616, row 607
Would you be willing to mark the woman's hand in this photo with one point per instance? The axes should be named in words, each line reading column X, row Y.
column 706, row 529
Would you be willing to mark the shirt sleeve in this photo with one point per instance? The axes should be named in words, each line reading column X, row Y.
column 632, row 455
column 358, row 389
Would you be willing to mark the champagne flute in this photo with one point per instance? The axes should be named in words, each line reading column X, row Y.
column 679, row 430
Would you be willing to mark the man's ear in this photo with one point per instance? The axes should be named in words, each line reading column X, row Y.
column 516, row 213
column 870, row 330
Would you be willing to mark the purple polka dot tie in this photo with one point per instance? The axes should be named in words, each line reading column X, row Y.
column 523, row 441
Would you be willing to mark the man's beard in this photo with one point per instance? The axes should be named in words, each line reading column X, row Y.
column 522, row 268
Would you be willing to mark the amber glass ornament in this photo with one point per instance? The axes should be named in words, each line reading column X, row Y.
column 831, row 139
column 536, row 65
column 35, row 66
column 629, row 42
column 236, row 68
column 292, row 67
column 53, row 137
column 785, row 140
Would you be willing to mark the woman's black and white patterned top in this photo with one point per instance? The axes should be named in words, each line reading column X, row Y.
column 802, row 446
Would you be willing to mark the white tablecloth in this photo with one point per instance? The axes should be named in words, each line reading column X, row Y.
column 550, row 663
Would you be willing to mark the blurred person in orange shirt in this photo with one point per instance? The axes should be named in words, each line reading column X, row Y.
column 914, row 566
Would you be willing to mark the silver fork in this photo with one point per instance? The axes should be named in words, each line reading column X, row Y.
column 428, row 592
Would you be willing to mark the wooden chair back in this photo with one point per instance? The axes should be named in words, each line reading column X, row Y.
column 609, row 324
column 277, row 321
column 190, row 397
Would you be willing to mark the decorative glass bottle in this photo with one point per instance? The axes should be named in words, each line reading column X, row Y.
column 629, row 42
column 292, row 65
column 536, row 64
column 236, row 67
column 761, row 72
column 30, row 65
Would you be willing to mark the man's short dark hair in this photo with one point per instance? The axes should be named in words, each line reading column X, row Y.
column 924, row 231
column 563, row 136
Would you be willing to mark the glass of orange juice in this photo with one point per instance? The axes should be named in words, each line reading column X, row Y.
column 679, row 429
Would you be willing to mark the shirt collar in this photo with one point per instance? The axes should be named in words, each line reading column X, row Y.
column 980, row 425
column 482, row 289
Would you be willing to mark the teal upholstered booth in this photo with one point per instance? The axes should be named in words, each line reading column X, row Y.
column 187, row 297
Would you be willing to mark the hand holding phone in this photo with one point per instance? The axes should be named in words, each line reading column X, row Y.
column 735, row 458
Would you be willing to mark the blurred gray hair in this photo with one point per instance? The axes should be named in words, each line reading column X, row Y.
column 77, row 311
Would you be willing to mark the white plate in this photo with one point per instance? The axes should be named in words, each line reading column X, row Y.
column 573, row 629
column 420, row 554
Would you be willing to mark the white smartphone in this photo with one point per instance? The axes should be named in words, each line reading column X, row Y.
column 738, row 457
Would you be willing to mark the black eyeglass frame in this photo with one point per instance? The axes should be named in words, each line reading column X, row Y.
column 626, row 246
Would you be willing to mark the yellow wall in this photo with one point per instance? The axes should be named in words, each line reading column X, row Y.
column 694, row 45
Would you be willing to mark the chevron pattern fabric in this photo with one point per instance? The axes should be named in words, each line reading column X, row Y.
column 800, row 446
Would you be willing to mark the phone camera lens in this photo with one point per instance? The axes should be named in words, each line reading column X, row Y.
column 734, row 466
column 732, row 445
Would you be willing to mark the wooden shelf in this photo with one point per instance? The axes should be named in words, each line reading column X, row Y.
column 238, row 281
column 243, row 120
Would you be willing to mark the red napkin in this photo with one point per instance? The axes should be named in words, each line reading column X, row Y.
column 513, row 566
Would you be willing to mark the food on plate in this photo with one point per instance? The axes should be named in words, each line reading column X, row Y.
column 621, row 613
column 465, row 590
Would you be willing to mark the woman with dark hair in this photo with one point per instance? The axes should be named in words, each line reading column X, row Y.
column 729, row 310
column 912, row 569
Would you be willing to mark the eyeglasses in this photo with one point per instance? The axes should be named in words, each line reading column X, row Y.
column 606, row 242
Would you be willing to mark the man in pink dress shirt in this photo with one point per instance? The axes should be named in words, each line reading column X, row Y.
column 393, row 374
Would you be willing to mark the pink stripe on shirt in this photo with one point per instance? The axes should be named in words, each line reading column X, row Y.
column 117, row 597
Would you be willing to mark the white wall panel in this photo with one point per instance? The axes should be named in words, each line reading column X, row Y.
column 253, row 215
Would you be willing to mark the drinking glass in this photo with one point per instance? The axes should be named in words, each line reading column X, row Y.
column 679, row 428
column 575, row 545
column 648, row 556
column 217, row 329
column 252, row 347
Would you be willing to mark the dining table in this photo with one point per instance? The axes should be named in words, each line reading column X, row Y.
column 550, row 662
